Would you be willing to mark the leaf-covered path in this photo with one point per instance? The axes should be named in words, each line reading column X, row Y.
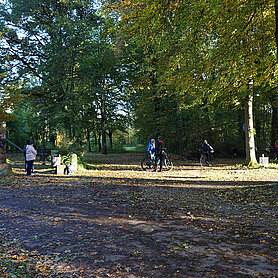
column 129, row 223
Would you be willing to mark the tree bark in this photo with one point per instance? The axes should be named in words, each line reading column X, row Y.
column 96, row 140
column 89, row 150
column 249, row 131
column 181, row 147
column 103, row 124
column 276, row 30
column 2, row 150
column 110, row 133
column 2, row 153
column 274, row 125
column 99, row 143
column 43, row 158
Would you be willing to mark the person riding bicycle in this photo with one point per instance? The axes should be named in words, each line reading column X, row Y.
column 151, row 150
column 206, row 150
column 159, row 153
column 267, row 149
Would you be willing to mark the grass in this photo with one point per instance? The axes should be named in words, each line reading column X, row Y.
column 128, row 149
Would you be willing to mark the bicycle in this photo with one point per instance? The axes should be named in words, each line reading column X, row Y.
column 148, row 164
column 272, row 154
column 203, row 162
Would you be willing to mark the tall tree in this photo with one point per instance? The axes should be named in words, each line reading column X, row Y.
column 205, row 52
column 61, row 45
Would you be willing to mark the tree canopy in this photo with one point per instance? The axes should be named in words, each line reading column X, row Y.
column 186, row 70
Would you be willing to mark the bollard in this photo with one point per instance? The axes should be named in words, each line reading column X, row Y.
column 264, row 161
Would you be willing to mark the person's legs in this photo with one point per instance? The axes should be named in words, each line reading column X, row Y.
column 150, row 159
column 29, row 167
column 70, row 170
column 161, row 157
column 155, row 161
column 207, row 158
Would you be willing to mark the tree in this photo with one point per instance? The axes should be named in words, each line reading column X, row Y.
column 64, row 48
column 10, row 95
column 204, row 53
column 45, row 41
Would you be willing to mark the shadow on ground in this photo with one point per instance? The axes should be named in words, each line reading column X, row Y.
column 137, row 224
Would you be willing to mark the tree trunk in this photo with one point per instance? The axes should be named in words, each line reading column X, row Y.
column 99, row 143
column 110, row 138
column 276, row 31
column 89, row 150
column 53, row 139
column 180, row 131
column 2, row 150
column 103, row 141
column 96, row 141
column 73, row 133
column 241, row 135
column 274, row 125
column 249, row 132
column 43, row 158
column 103, row 124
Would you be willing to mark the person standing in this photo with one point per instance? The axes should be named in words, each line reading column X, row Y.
column 30, row 157
column 159, row 153
column 267, row 149
column 151, row 150
column 24, row 153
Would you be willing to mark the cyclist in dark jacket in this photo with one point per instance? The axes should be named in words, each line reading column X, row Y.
column 159, row 153
column 206, row 150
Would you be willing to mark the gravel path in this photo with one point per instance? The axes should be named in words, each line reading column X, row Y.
column 119, row 227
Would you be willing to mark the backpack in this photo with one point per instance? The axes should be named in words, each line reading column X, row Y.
column 24, row 150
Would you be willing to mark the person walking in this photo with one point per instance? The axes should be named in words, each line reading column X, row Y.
column 206, row 150
column 30, row 157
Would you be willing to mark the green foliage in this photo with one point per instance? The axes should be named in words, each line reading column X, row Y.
column 68, row 65
column 192, row 64
column 10, row 95
column 68, row 146
column 179, row 69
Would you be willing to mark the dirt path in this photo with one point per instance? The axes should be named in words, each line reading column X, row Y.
column 115, row 224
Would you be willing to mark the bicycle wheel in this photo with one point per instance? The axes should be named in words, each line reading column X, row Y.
column 203, row 161
column 168, row 164
column 146, row 164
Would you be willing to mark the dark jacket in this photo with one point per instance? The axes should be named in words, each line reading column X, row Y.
column 206, row 148
column 160, row 146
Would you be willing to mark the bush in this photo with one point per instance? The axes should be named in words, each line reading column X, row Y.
column 68, row 146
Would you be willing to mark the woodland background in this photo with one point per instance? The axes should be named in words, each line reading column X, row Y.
column 99, row 76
